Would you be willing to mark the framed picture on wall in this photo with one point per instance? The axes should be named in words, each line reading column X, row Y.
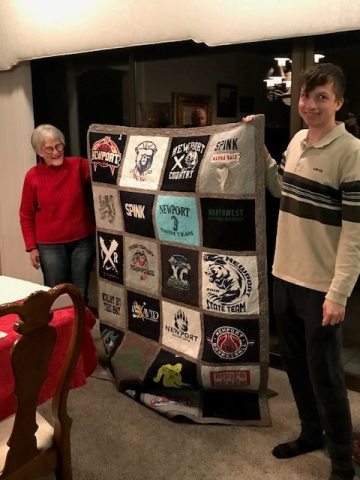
column 226, row 100
column 183, row 105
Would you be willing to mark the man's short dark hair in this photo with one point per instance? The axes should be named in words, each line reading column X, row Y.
column 321, row 74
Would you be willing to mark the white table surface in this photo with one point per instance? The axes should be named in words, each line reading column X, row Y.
column 12, row 289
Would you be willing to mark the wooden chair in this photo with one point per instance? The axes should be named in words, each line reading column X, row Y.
column 29, row 446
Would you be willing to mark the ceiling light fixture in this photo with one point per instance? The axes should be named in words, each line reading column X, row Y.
column 278, row 79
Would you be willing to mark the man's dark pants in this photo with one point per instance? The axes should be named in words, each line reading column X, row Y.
column 312, row 357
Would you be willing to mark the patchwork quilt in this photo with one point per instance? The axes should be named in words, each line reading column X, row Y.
column 181, row 264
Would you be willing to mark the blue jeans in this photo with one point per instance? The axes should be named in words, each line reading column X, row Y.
column 68, row 262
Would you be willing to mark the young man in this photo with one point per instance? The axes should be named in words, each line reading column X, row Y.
column 316, row 265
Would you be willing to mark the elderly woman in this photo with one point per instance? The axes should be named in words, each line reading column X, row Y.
column 56, row 212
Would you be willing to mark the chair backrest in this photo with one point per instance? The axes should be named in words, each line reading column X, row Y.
column 30, row 358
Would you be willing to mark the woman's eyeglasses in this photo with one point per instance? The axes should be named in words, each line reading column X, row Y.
column 59, row 147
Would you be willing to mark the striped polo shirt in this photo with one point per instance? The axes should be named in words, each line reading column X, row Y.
column 318, row 236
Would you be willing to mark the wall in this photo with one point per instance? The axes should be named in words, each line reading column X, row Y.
column 17, row 156
column 158, row 79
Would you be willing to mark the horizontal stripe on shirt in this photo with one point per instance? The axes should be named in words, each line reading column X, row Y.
column 351, row 187
column 309, row 199
column 311, row 211
column 351, row 213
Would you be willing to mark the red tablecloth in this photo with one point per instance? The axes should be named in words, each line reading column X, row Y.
column 62, row 321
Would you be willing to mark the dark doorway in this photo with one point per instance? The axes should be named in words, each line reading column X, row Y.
column 99, row 93
column 50, row 94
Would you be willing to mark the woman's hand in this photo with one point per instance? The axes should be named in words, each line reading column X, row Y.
column 35, row 258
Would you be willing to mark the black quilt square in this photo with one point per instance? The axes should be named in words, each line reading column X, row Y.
column 106, row 152
column 229, row 340
column 110, row 258
column 137, row 213
column 144, row 315
column 111, row 337
column 231, row 405
column 170, row 370
column 228, row 224
column 180, row 274
column 183, row 163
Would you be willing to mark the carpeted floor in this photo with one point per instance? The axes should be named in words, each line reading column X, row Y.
column 115, row 438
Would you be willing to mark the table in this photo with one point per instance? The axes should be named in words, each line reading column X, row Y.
column 62, row 320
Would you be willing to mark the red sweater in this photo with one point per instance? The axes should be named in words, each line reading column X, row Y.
column 56, row 203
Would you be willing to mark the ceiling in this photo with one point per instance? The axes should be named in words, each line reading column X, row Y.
column 30, row 30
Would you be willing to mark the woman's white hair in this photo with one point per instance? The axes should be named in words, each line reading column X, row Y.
column 42, row 132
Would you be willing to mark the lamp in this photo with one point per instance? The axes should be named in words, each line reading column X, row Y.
column 278, row 79
column 318, row 57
